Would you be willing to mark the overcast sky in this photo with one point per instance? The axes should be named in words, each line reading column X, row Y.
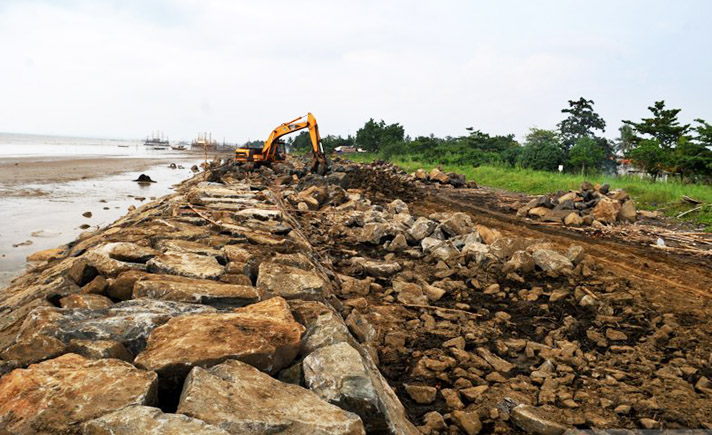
column 238, row 68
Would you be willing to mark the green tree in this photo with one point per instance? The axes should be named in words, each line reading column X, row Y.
column 542, row 150
column 663, row 126
column 587, row 153
column 692, row 156
column 650, row 156
column 582, row 121
column 301, row 142
column 373, row 135
column 627, row 139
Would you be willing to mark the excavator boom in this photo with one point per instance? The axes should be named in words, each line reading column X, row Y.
column 269, row 152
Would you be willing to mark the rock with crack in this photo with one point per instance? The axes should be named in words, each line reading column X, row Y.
column 551, row 261
column 457, row 224
column 243, row 400
column 56, row 396
column 185, row 264
column 85, row 301
column 339, row 374
column 264, row 335
column 127, row 322
column 289, row 282
column 325, row 330
column 187, row 246
column 130, row 252
column 377, row 269
column 147, row 420
column 195, row 291
column 101, row 260
column 421, row 229
column 527, row 418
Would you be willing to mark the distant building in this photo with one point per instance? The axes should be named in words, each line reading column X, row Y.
column 626, row 168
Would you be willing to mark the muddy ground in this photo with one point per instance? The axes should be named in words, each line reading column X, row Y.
column 634, row 354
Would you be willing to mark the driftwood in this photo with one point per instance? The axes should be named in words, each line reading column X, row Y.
column 691, row 200
column 699, row 207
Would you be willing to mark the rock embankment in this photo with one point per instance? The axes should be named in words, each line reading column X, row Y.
column 272, row 301
column 203, row 312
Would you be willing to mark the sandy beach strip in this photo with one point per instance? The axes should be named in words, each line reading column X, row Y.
column 16, row 172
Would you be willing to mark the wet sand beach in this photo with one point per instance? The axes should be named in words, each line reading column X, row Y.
column 32, row 176
column 43, row 199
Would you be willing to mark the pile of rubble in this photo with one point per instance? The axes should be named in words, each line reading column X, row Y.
column 267, row 301
column 589, row 206
column 437, row 176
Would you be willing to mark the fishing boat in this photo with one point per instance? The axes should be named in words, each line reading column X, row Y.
column 157, row 141
column 204, row 141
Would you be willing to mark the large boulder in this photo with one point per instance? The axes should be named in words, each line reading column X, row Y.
column 197, row 291
column 439, row 176
column 186, row 264
column 146, row 420
column 339, row 374
column 242, row 400
column 551, row 261
column 127, row 322
column 421, row 228
column 457, row 224
column 289, row 282
column 375, row 232
column 377, row 269
column 187, row 246
column 606, row 210
column 627, row 212
column 264, row 335
column 56, row 396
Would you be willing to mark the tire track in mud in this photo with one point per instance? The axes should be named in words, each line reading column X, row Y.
column 668, row 279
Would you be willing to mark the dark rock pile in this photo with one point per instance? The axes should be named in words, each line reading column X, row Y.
column 590, row 205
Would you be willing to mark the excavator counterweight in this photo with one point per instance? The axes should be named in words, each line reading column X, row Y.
column 270, row 151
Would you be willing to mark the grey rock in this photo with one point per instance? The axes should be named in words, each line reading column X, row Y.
column 340, row 375
column 527, row 419
column 289, row 282
column 128, row 322
column 551, row 261
column 146, row 420
column 186, row 264
column 243, row 400
column 196, row 291
column 421, row 229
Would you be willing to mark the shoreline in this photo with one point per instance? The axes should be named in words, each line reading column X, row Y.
column 16, row 173
column 42, row 202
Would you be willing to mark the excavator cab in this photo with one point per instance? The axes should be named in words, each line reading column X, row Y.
column 273, row 152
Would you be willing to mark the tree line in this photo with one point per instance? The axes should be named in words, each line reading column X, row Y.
column 656, row 144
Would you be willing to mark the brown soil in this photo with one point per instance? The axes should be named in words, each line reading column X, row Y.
column 646, row 293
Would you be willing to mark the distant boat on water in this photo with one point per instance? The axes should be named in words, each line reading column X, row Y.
column 204, row 141
column 157, row 141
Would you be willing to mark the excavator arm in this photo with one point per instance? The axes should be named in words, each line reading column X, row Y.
column 269, row 151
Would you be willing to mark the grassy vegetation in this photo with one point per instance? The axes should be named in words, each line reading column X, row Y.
column 647, row 194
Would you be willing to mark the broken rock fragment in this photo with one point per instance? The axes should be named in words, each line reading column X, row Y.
column 196, row 291
column 127, row 322
column 339, row 374
column 264, row 335
column 56, row 395
column 146, row 420
column 186, row 264
column 243, row 400
column 289, row 282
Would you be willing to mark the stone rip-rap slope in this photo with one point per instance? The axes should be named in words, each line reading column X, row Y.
column 193, row 314
column 266, row 301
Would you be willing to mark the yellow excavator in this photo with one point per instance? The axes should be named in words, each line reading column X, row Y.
column 270, row 151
